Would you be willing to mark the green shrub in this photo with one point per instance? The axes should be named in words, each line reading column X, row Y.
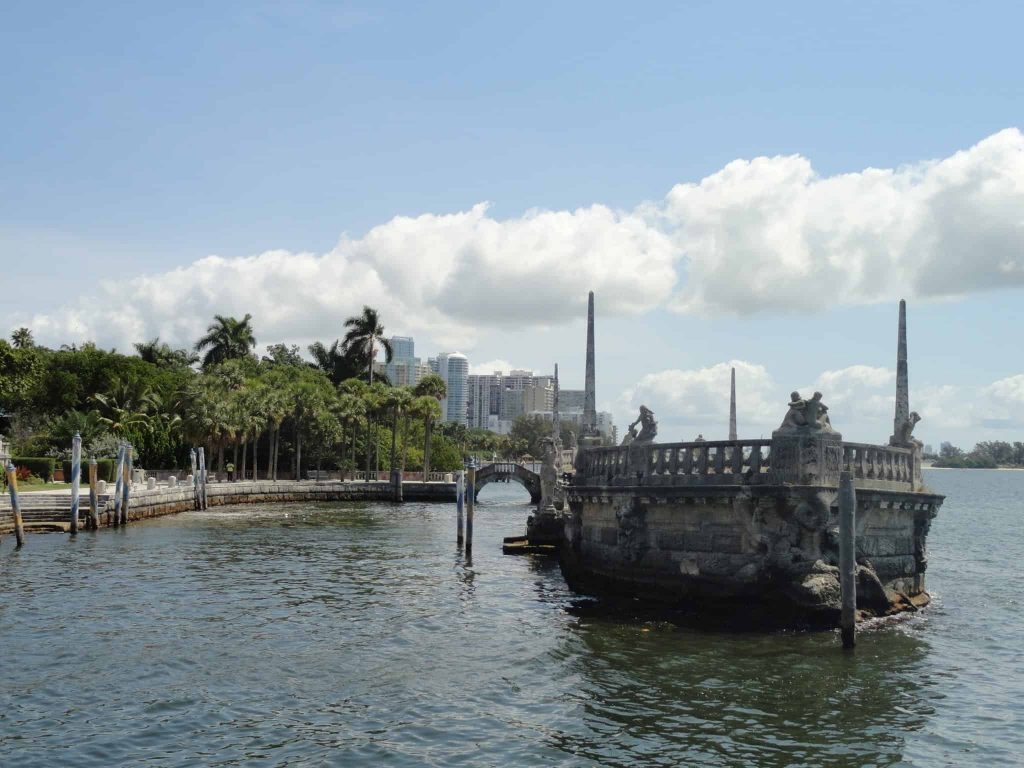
column 105, row 469
column 38, row 466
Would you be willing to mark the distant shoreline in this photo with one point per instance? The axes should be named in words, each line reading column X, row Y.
column 975, row 469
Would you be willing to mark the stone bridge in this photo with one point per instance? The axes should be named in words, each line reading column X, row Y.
column 527, row 476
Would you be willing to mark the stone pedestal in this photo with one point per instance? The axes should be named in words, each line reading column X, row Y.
column 101, row 486
column 806, row 456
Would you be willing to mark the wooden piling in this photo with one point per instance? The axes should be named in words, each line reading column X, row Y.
column 118, row 483
column 470, row 501
column 460, row 499
column 94, row 510
column 12, row 486
column 848, row 559
column 76, row 480
column 126, row 486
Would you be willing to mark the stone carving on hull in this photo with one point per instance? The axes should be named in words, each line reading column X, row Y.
column 549, row 490
column 648, row 426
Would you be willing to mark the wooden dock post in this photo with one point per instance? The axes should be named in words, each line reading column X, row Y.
column 126, row 486
column 76, row 480
column 460, row 499
column 848, row 559
column 470, row 501
column 94, row 511
column 12, row 486
column 118, row 483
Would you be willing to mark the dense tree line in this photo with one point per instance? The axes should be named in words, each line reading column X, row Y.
column 984, row 455
column 274, row 415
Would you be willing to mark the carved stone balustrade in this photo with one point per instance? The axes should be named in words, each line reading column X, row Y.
column 748, row 462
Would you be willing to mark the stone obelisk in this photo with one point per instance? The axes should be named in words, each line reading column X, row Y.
column 732, row 407
column 556, row 422
column 589, row 396
column 902, row 385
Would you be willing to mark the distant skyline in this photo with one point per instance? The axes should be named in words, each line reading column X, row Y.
column 741, row 185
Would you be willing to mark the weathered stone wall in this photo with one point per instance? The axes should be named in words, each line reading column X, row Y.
column 772, row 542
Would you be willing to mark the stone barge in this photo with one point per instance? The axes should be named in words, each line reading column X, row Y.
column 746, row 529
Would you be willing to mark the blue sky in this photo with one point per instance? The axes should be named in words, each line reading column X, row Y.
column 141, row 138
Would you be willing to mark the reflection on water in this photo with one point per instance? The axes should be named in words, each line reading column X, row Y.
column 360, row 635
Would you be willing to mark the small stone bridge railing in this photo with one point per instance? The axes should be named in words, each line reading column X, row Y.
column 737, row 462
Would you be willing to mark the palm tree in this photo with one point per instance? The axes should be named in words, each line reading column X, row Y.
column 22, row 338
column 335, row 361
column 126, row 407
column 397, row 400
column 161, row 354
column 226, row 338
column 364, row 334
column 428, row 409
column 348, row 408
column 431, row 385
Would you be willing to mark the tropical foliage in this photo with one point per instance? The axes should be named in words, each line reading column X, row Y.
column 270, row 417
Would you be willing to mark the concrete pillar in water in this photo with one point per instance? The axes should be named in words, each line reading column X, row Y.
column 118, row 483
column 460, row 499
column 470, row 501
column 732, row 407
column 902, row 383
column 126, row 486
column 589, row 384
column 194, row 477
column 76, row 480
column 847, row 559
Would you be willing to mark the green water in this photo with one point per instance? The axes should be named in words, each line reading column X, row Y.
column 358, row 635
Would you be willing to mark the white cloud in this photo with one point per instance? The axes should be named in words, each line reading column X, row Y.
column 692, row 401
column 767, row 234
column 489, row 367
column 770, row 234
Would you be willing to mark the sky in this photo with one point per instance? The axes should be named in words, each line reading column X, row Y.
column 743, row 185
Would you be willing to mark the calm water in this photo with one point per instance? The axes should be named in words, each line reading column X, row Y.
column 358, row 635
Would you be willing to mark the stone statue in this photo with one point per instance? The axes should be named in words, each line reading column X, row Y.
column 806, row 415
column 630, row 435
column 905, row 436
column 548, row 476
column 648, row 426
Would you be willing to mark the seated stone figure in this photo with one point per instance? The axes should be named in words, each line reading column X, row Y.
column 648, row 426
column 905, row 435
column 630, row 435
column 806, row 414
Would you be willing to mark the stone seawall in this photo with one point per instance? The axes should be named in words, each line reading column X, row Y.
column 773, row 547
column 160, row 501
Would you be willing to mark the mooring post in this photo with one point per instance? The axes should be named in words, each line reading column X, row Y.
column 460, row 499
column 195, row 476
column 470, row 501
column 118, row 484
column 76, row 480
column 202, row 477
column 126, row 486
column 847, row 558
column 12, row 486
column 94, row 513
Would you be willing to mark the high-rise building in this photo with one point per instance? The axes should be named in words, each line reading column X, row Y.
column 570, row 399
column 405, row 368
column 453, row 367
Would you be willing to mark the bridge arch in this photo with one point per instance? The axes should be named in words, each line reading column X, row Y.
column 508, row 470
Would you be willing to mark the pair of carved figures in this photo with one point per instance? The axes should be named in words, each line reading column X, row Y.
column 810, row 414
column 648, row 428
column 904, row 436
